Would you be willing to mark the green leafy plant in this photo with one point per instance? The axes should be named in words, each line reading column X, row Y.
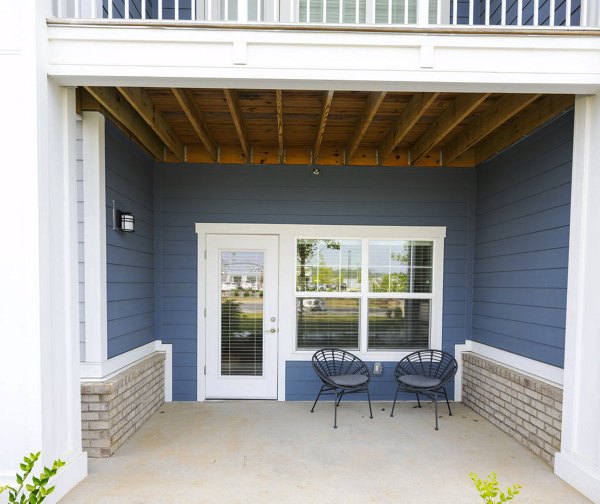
column 489, row 489
column 36, row 491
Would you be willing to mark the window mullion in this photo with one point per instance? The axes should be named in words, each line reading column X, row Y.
column 364, row 289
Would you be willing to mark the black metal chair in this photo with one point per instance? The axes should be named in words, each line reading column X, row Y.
column 425, row 372
column 341, row 373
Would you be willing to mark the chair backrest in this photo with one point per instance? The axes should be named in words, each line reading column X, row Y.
column 334, row 362
column 431, row 363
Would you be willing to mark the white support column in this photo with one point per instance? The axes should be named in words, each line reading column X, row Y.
column 94, row 251
column 578, row 462
column 39, row 378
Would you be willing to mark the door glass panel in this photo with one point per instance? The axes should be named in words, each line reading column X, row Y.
column 242, row 275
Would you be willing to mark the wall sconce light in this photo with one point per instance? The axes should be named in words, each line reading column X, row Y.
column 316, row 171
column 123, row 221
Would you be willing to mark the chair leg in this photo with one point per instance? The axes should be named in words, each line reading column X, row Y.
column 318, row 395
column 340, row 399
column 369, row 398
column 394, row 405
column 435, row 407
column 447, row 402
column 418, row 400
column 335, row 409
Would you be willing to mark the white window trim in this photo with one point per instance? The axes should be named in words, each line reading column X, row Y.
column 287, row 283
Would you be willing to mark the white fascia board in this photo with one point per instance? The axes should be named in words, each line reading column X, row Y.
column 151, row 56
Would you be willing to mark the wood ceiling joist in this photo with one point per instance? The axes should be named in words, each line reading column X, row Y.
column 368, row 114
column 458, row 109
column 325, row 107
column 545, row 109
column 502, row 110
column 186, row 101
column 127, row 116
column 414, row 110
column 233, row 102
column 279, row 106
column 140, row 100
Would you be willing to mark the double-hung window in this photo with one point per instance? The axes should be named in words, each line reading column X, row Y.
column 366, row 294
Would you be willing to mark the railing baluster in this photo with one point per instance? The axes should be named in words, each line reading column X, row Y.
column 487, row 12
column 341, row 12
column 389, row 12
column 160, row 9
column 110, row 9
column 519, row 12
column 308, row 11
column 551, row 22
column 126, row 6
column 472, row 12
column 536, row 12
column 77, row 12
column 226, row 10
column 503, row 13
column 568, row 13
column 356, row 11
column 454, row 11
column 176, row 8
column 423, row 12
column 143, row 13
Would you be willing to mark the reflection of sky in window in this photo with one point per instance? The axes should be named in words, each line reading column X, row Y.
column 338, row 253
column 242, row 262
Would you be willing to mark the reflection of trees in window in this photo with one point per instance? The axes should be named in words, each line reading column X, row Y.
column 306, row 250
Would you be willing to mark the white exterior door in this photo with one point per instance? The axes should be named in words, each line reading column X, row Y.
column 241, row 316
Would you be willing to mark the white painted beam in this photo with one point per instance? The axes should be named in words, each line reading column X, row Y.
column 578, row 462
column 469, row 62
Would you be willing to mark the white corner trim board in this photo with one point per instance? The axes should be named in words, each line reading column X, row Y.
column 536, row 369
column 108, row 368
column 579, row 473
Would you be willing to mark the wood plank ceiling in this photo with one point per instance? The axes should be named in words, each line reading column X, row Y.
column 322, row 127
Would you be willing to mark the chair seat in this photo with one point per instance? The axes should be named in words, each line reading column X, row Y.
column 418, row 381
column 349, row 380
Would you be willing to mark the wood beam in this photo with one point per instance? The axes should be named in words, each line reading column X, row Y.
column 111, row 100
column 185, row 98
column 368, row 114
column 545, row 109
column 325, row 106
column 279, row 104
column 140, row 100
column 460, row 108
column 233, row 103
column 492, row 118
column 416, row 107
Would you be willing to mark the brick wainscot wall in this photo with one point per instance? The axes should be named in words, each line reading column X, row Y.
column 113, row 409
column 527, row 409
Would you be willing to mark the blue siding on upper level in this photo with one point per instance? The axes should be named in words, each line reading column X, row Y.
column 292, row 195
column 135, row 9
column 130, row 256
column 521, row 245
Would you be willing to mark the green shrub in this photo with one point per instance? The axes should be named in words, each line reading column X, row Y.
column 36, row 491
column 489, row 489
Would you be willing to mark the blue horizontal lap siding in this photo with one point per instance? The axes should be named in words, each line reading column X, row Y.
column 521, row 245
column 130, row 256
column 303, row 384
column 188, row 194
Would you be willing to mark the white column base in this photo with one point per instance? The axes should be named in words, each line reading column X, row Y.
column 579, row 473
column 67, row 477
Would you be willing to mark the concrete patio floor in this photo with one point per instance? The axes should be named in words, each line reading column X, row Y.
column 255, row 452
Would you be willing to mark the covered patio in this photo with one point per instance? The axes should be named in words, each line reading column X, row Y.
column 266, row 451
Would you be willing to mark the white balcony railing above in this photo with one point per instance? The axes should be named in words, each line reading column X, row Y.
column 518, row 13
